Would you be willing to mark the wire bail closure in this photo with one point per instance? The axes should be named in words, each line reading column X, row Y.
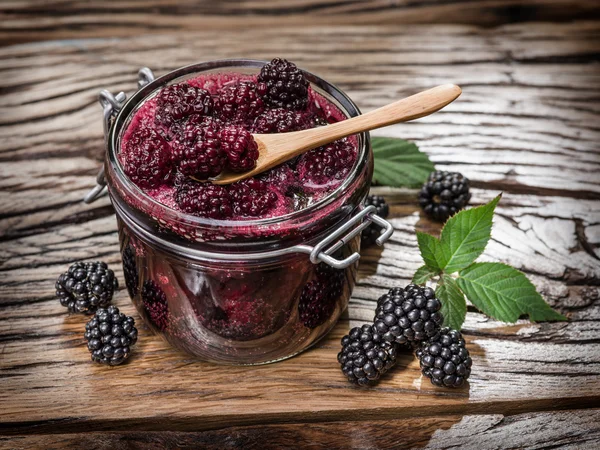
column 321, row 252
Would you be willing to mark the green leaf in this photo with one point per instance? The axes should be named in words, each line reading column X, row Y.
column 430, row 250
column 465, row 236
column 423, row 274
column 504, row 293
column 454, row 306
column 399, row 163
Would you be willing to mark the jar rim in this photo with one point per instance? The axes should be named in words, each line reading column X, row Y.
column 126, row 113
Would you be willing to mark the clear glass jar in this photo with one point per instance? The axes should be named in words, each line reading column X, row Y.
column 237, row 292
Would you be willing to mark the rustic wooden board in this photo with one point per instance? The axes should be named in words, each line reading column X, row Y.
column 527, row 125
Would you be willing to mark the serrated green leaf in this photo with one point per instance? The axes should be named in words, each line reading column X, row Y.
column 423, row 274
column 504, row 293
column 399, row 163
column 454, row 306
column 430, row 250
column 465, row 236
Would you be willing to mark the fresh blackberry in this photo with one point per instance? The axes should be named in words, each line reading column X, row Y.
column 155, row 303
column 319, row 296
column 365, row 356
column 199, row 153
column 445, row 359
column 203, row 199
column 240, row 147
column 283, row 85
column 239, row 103
column 175, row 102
column 147, row 158
column 130, row 272
column 328, row 163
column 371, row 233
column 280, row 120
column 109, row 335
column 444, row 194
column 408, row 315
column 86, row 286
column 252, row 197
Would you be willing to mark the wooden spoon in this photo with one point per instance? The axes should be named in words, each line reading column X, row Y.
column 275, row 149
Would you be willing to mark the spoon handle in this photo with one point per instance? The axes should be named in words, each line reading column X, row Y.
column 413, row 107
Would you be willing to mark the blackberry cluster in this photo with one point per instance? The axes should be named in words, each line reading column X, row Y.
column 252, row 197
column 444, row 194
column 319, row 296
column 283, row 85
column 240, row 147
column 155, row 303
column 280, row 120
column 370, row 234
column 445, row 359
column 148, row 159
column 365, row 356
column 324, row 164
column 203, row 199
column 176, row 102
column 130, row 272
column 239, row 103
column 84, row 287
column 109, row 335
column 199, row 154
column 408, row 315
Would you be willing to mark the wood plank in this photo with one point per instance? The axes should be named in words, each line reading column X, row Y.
column 577, row 429
column 26, row 21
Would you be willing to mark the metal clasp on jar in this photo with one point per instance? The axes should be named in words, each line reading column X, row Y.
column 111, row 105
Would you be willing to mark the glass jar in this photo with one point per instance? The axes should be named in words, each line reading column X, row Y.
column 237, row 292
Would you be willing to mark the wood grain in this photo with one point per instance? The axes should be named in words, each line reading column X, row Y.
column 526, row 124
column 32, row 20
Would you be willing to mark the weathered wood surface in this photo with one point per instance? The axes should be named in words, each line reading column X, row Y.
column 527, row 125
column 33, row 20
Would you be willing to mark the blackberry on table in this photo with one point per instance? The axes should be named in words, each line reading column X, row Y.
column 283, row 85
column 84, row 287
column 444, row 194
column 372, row 232
column 109, row 335
column 365, row 356
column 199, row 153
column 130, row 272
column 445, row 359
column 240, row 147
column 147, row 158
column 203, row 199
column 155, row 303
column 407, row 315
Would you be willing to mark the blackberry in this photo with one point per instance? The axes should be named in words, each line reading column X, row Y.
column 280, row 120
column 240, row 147
column 239, row 103
column 444, row 194
column 147, row 158
column 84, row 287
column 155, row 303
column 283, row 85
column 371, row 233
column 175, row 102
column 199, row 153
column 251, row 197
column 203, row 199
column 365, row 356
column 408, row 315
column 318, row 298
column 109, row 335
column 328, row 163
column 130, row 272
column 445, row 359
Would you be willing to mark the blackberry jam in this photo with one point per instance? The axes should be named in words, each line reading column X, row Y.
column 255, row 273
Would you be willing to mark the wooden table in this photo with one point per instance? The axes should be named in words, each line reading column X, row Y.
column 527, row 124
